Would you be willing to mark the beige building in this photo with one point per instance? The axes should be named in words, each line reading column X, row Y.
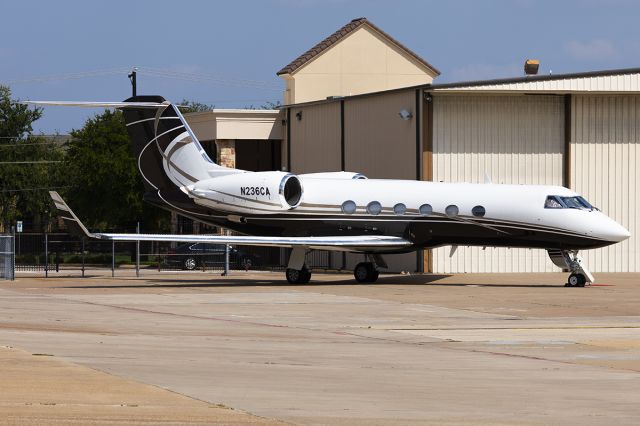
column 358, row 58
column 578, row 130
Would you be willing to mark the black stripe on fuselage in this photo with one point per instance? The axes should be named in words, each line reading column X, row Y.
column 424, row 231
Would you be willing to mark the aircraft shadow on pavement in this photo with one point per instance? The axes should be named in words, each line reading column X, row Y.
column 399, row 280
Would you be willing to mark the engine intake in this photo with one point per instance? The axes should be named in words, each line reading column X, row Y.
column 291, row 190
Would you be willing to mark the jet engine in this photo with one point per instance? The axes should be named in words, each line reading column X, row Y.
column 270, row 191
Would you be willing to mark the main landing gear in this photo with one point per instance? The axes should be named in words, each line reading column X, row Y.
column 364, row 272
column 571, row 260
column 297, row 271
column 367, row 272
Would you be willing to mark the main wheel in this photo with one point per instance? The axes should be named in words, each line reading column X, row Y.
column 365, row 272
column 305, row 276
column 295, row 276
column 576, row 280
column 190, row 264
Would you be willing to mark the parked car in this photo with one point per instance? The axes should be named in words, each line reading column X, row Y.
column 190, row 256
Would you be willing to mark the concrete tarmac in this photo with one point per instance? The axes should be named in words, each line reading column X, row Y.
column 461, row 349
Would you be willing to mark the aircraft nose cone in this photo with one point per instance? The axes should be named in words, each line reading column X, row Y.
column 616, row 232
column 624, row 234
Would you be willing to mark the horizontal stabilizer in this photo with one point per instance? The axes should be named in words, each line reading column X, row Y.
column 99, row 104
column 69, row 218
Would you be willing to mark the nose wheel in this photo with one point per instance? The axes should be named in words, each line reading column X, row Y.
column 576, row 280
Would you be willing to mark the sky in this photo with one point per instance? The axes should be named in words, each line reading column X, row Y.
column 227, row 53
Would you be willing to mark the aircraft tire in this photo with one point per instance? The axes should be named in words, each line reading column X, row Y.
column 298, row 277
column 576, row 280
column 305, row 276
column 365, row 272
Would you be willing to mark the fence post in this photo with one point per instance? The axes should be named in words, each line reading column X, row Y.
column 138, row 252
column 46, row 254
column 113, row 258
column 82, row 257
column 13, row 254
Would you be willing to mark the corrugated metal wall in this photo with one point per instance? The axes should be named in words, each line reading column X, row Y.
column 315, row 138
column 381, row 145
column 515, row 139
column 378, row 143
column 605, row 139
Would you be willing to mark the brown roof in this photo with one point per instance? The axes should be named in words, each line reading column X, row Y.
column 334, row 38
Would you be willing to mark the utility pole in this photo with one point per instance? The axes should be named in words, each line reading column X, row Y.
column 132, row 77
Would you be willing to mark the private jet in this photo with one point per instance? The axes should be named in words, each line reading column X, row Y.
column 343, row 211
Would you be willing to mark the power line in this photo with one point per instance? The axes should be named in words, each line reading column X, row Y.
column 203, row 78
column 155, row 72
column 35, row 189
column 31, row 162
column 68, row 76
column 16, row 145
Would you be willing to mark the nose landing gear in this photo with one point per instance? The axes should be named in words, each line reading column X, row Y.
column 571, row 260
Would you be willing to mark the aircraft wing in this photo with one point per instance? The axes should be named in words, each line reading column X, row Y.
column 335, row 243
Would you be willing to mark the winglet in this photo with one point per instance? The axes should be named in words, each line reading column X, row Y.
column 68, row 216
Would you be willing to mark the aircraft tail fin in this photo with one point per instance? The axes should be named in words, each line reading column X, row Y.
column 168, row 153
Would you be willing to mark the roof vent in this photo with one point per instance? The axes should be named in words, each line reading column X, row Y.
column 531, row 66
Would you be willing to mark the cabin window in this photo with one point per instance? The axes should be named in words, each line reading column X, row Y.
column 425, row 209
column 374, row 208
column 478, row 211
column 349, row 207
column 399, row 209
column 452, row 210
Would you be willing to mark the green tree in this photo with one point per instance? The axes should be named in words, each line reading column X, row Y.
column 107, row 189
column 187, row 106
column 28, row 166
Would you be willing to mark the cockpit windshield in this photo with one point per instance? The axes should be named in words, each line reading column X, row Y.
column 559, row 202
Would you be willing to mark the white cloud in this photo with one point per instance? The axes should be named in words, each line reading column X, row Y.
column 591, row 50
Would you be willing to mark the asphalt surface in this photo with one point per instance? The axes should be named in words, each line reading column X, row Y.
column 461, row 349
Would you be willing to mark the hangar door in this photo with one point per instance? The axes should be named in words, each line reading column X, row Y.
column 605, row 153
column 516, row 139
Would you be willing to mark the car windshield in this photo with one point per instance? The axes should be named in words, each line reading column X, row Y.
column 558, row 202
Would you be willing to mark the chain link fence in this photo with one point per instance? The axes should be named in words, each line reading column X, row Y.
column 7, row 257
column 61, row 252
